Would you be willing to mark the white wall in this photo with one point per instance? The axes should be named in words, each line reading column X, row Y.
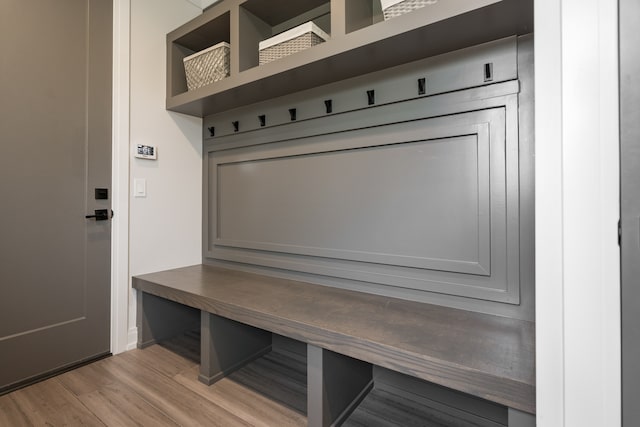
column 165, row 227
column 577, row 210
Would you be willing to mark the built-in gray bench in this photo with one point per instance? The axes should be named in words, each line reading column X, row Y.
column 346, row 332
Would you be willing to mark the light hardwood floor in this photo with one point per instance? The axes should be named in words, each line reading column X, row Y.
column 157, row 387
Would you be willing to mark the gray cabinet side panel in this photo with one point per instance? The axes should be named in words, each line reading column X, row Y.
column 526, row 146
column 521, row 419
column 630, row 208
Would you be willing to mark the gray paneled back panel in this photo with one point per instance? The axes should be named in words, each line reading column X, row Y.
column 419, row 204
column 413, row 194
column 298, row 204
column 414, row 197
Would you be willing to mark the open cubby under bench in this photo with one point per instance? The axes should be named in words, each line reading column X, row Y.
column 346, row 333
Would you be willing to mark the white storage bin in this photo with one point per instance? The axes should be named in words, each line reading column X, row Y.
column 207, row 66
column 294, row 40
column 393, row 8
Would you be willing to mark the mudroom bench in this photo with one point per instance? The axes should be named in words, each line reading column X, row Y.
column 346, row 333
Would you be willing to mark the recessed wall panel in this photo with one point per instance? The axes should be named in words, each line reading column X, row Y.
column 405, row 203
column 420, row 205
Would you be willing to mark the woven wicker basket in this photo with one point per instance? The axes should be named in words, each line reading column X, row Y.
column 207, row 66
column 393, row 8
column 292, row 41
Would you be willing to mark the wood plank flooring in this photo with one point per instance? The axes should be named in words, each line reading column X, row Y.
column 158, row 387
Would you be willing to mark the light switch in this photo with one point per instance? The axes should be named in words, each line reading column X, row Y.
column 139, row 187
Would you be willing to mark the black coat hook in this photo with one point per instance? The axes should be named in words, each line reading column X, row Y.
column 371, row 97
column 328, row 105
column 422, row 86
column 236, row 126
column 488, row 72
column 293, row 114
column 212, row 131
column 263, row 120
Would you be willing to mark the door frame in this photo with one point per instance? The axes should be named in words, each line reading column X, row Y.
column 577, row 211
column 123, row 331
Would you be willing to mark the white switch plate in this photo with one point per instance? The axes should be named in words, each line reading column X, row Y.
column 139, row 187
column 148, row 152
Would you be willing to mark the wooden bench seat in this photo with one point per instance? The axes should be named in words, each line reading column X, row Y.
column 487, row 356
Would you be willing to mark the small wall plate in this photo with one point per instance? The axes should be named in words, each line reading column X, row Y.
column 146, row 152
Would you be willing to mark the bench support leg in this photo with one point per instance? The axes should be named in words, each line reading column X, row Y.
column 226, row 345
column 159, row 319
column 521, row 419
column 336, row 384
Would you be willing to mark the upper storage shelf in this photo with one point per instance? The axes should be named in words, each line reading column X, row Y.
column 361, row 42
